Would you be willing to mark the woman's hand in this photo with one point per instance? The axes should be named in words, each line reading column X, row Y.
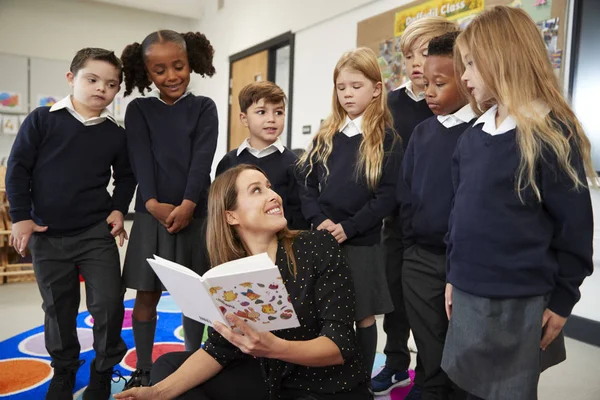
column 249, row 341
column 448, row 300
column 139, row 393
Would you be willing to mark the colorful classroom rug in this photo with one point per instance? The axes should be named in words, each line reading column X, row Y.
column 25, row 371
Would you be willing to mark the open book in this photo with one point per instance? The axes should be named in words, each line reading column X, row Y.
column 250, row 287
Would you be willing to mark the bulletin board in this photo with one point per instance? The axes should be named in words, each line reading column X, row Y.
column 48, row 82
column 382, row 32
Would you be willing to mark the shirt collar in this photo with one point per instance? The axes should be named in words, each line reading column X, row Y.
column 464, row 115
column 409, row 91
column 352, row 127
column 488, row 119
column 68, row 104
column 246, row 145
column 156, row 93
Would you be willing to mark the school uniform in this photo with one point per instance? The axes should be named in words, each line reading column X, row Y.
column 427, row 193
column 344, row 197
column 279, row 163
column 171, row 148
column 58, row 171
column 408, row 110
column 509, row 260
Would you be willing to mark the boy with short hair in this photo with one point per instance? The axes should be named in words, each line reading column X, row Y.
column 262, row 106
column 426, row 194
column 408, row 109
column 58, row 171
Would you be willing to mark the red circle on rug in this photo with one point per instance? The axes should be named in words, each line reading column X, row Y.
column 130, row 359
column 20, row 374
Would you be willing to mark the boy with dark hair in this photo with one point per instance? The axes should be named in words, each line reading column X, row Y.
column 262, row 106
column 58, row 171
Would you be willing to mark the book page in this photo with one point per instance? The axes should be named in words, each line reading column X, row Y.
column 259, row 297
column 188, row 291
column 257, row 262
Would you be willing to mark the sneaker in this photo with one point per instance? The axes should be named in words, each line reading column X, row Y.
column 414, row 394
column 138, row 378
column 387, row 379
column 62, row 384
column 100, row 383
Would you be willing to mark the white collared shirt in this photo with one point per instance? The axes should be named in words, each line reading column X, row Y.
column 156, row 93
column 267, row 151
column 352, row 127
column 488, row 119
column 68, row 104
column 464, row 115
column 409, row 91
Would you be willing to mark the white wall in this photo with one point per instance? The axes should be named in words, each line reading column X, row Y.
column 57, row 29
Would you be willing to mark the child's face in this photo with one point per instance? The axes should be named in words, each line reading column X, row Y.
column 355, row 91
column 169, row 69
column 441, row 91
column 472, row 78
column 265, row 121
column 414, row 60
column 258, row 207
column 95, row 85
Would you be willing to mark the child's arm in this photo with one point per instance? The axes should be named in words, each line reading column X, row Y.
column 384, row 201
column 308, row 190
column 18, row 181
column 403, row 194
column 572, row 243
column 124, row 181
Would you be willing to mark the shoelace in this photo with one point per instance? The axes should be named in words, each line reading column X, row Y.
column 119, row 376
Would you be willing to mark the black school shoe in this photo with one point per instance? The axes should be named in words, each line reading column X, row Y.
column 139, row 378
column 62, row 384
column 100, row 383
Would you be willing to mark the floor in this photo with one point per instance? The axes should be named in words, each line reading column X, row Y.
column 578, row 378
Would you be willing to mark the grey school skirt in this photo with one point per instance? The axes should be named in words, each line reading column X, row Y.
column 149, row 237
column 492, row 347
column 367, row 265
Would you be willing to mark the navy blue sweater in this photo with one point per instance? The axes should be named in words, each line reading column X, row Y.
column 171, row 148
column 345, row 198
column 426, row 189
column 407, row 113
column 281, row 171
column 58, row 171
column 499, row 247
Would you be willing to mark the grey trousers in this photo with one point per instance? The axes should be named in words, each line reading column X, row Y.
column 55, row 263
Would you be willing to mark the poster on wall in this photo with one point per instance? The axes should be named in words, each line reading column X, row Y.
column 10, row 101
column 391, row 63
column 538, row 10
column 119, row 106
column 47, row 101
column 453, row 10
column 10, row 124
column 549, row 29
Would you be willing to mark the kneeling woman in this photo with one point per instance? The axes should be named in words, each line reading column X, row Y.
column 317, row 360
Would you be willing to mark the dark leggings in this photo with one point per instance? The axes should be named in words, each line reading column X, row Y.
column 240, row 379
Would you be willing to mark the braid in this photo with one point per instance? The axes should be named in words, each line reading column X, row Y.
column 134, row 69
column 200, row 53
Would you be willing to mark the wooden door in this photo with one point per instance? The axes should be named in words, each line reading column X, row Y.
column 247, row 70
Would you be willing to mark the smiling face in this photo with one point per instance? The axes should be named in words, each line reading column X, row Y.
column 441, row 90
column 265, row 122
column 355, row 91
column 168, row 68
column 472, row 78
column 94, row 87
column 258, row 208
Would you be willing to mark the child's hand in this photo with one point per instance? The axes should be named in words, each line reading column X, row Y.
column 138, row 393
column 21, row 233
column 117, row 223
column 160, row 211
column 338, row 232
column 448, row 300
column 181, row 216
column 552, row 324
column 325, row 224
column 249, row 341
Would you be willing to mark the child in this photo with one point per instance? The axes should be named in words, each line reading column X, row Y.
column 521, row 226
column 426, row 199
column 172, row 136
column 408, row 109
column 349, row 184
column 262, row 106
column 58, row 171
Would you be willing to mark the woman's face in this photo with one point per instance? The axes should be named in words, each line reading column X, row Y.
column 259, row 208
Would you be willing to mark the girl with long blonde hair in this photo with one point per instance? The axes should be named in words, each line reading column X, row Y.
column 520, row 232
column 349, row 177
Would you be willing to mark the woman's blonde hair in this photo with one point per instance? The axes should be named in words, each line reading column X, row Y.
column 222, row 240
column 511, row 58
column 376, row 118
